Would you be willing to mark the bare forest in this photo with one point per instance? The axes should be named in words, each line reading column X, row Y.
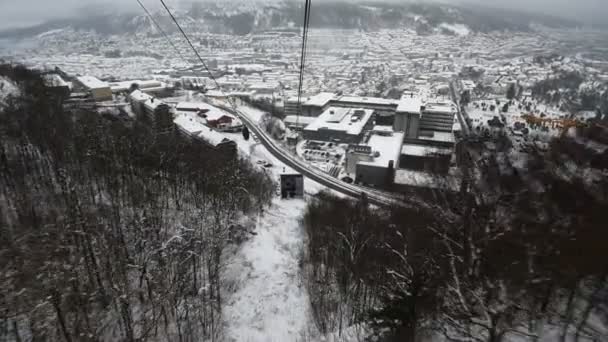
column 111, row 229
column 511, row 257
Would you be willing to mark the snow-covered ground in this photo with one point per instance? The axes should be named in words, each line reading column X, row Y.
column 458, row 29
column 7, row 88
column 268, row 300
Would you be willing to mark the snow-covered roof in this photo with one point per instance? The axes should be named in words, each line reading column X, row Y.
column 409, row 104
column 92, row 82
column 188, row 124
column 423, row 151
column 368, row 100
column 153, row 103
column 125, row 85
column 447, row 137
column 385, row 129
column 303, row 120
column 212, row 137
column 349, row 120
column 388, row 147
column 54, row 80
column 425, row 180
column 441, row 107
column 320, row 99
column 211, row 112
column 139, row 96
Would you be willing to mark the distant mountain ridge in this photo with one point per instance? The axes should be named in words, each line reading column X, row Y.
column 267, row 15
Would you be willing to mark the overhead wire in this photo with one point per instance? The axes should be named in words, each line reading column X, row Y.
column 162, row 31
column 303, row 58
column 191, row 45
column 212, row 77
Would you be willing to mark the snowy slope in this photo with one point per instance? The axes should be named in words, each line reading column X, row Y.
column 7, row 89
column 270, row 303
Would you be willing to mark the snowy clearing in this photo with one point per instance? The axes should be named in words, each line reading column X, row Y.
column 458, row 29
column 270, row 302
column 7, row 88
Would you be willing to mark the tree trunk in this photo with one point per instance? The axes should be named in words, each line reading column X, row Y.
column 60, row 318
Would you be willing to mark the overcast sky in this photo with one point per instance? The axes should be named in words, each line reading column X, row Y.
column 28, row 12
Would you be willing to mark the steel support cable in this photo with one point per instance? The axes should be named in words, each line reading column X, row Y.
column 303, row 58
column 162, row 31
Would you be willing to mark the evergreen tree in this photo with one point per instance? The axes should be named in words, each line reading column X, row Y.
column 246, row 133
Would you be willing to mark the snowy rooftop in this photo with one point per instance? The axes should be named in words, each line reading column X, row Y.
column 212, row 137
column 320, row 99
column 189, row 124
column 92, row 82
column 389, row 148
column 423, row 151
column 293, row 119
column 211, row 112
column 192, row 126
column 385, row 129
column 437, row 136
column 125, row 85
column 409, row 104
column 440, row 107
column 54, row 80
column 368, row 100
column 153, row 103
column 425, row 180
column 350, row 120
column 139, row 96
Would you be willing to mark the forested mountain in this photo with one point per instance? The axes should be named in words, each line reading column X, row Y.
column 111, row 230
column 260, row 16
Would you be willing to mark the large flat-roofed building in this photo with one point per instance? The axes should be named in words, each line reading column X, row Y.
column 379, row 171
column 316, row 105
column 426, row 158
column 137, row 99
column 298, row 123
column 99, row 90
column 57, row 85
column 380, row 105
column 407, row 116
column 345, row 125
column 291, row 106
column 152, row 87
column 436, row 138
column 438, row 116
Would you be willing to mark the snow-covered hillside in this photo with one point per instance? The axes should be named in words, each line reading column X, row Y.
column 7, row 89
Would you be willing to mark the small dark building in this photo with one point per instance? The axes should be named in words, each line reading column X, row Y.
column 292, row 186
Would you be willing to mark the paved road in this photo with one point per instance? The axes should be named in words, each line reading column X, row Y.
column 374, row 196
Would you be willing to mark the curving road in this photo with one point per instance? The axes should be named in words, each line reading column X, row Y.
column 374, row 196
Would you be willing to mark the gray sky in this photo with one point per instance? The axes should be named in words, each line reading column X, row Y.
column 28, row 12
